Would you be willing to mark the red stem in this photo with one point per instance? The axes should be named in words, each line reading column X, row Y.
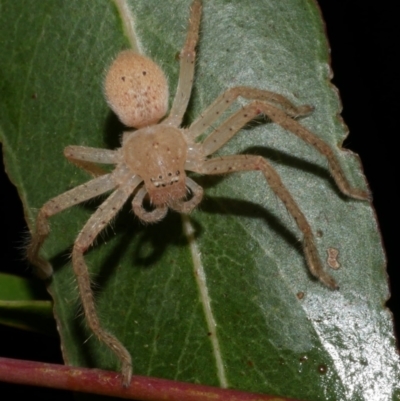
column 109, row 383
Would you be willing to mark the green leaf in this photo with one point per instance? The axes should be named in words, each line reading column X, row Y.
column 22, row 305
column 277, row 330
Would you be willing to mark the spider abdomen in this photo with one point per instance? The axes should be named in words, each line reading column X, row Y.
column 136, row 90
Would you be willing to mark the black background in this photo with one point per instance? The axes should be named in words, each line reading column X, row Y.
column 364, row 41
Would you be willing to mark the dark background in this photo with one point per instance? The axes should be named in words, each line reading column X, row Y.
column 364, row 38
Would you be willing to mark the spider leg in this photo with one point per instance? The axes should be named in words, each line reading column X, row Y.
column 186, row 72
column 187, row 206
column 87, row 158
column 215, row 110
column 106, row 211
column 230, row 127
column 148, row 217
column 229, row 164
column 61, row 202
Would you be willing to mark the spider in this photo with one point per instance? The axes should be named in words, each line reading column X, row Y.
column 154, row 157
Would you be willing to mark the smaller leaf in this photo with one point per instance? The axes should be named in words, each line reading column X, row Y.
column 21, row 306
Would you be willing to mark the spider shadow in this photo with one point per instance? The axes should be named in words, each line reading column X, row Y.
column 289, row 160
column 281, row 158
column 243, row 208
column 152, row 239
column 113, row 130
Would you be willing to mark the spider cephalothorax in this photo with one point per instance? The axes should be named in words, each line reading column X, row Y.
column 158, row 155
column 153, row 159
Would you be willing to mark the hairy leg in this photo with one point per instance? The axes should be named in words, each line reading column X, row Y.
column 186, row 73
column 87, row 158
column 230, row 127
column 92, row 228
column 213, row 112
column 56, row 205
